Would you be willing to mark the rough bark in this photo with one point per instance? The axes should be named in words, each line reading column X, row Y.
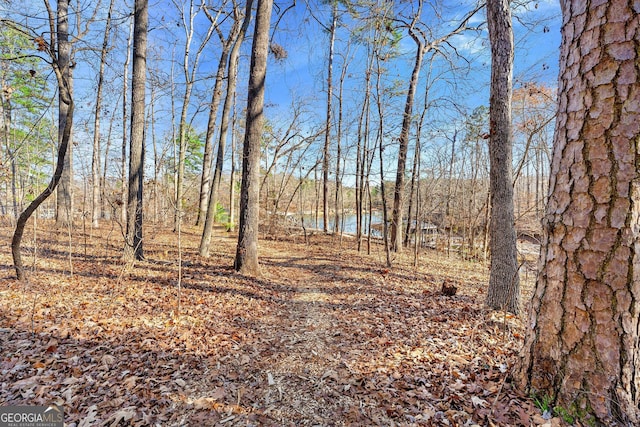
column 133, row 247
column 246, row 260
column 582, row 347
column 504, row 284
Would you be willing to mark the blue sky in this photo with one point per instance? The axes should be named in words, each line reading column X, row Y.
column 536, row 52
column 301, row 77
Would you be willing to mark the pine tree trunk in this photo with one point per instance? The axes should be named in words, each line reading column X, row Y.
column 247, row 249
column 582, row 347
column 504, row 283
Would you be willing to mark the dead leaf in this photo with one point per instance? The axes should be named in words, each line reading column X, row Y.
column 122, row 415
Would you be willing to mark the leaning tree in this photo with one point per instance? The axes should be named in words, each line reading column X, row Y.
column 582, row 346
column 51, row 52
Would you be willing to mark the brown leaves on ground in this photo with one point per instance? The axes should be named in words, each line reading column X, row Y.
column 321, row 338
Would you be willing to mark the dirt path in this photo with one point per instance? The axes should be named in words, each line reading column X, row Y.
column 300, row 372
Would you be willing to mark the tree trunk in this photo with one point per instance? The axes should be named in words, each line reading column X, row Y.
column 95, row 159
column 125, row 116
column 380, row 142
column 412, row 190
column 16, row 241
column 362, row 156
column 64, row 207
column 133, row 247
column 232, row 172
column 156, row 160
column 398, row 194
column 247, row 250
column 182, row 153
column 66, row 102
column 205, row 179
column 447, row 209
column 327, row 129
column 415, row 174
column 582, row 346
column 182, row 129
column 234, row 57
column 105, row 164
column 339, row 200
column 189, row 72
column 504, row 283
column 11, row 154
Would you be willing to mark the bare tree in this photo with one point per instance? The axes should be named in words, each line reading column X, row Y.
column 347, row 56
column 216, row 96
column 188, row 15
column 423, row 45
column 327, row 131
column 229, row 100
column 125, row 116
column 95, row 160
column 66, row 59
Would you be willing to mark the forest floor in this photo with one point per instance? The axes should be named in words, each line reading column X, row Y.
column 325, row 336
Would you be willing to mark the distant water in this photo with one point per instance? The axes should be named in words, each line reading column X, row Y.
column 348, row 223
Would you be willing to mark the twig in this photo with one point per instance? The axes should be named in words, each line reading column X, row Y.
column 69, row 225
column 33, row 313
column 495, row 401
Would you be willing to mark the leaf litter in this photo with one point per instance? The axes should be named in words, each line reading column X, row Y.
column 325, row 336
